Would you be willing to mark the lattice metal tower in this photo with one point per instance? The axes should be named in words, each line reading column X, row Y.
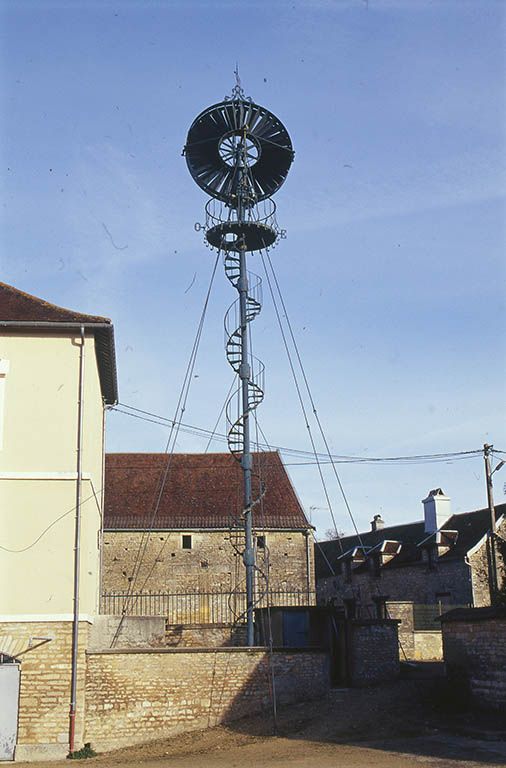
column 240, row 154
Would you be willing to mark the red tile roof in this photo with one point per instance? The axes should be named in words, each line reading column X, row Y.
column 18, row 306
column 20, row 310
column 200, row 491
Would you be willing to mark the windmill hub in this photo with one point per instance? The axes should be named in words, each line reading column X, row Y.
column 236, row 142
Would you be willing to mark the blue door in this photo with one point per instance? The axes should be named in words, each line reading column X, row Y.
column 295, row 629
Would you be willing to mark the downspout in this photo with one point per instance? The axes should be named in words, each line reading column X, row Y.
column 102, row 495
column 308, row 567
column 468, row 563
column 77, row 548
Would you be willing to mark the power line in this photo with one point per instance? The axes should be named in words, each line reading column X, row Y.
column 53, row 523
column 191, row 429
column 169, row 449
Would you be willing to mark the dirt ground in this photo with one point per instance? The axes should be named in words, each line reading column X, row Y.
column 394, row 726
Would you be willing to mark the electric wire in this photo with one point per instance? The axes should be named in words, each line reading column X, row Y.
column 299, row 393
column 308, row 389
column 48, row 528
column 182, row 404
column 323, row 458
column 169, row 449
column 311, row 400
column 212, row 436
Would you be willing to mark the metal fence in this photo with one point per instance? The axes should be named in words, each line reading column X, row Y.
column 198, row 607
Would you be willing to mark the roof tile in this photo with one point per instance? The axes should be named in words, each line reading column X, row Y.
column 200, row 491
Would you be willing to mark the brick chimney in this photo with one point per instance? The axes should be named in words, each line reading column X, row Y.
column 377, row 523
column 436, row 509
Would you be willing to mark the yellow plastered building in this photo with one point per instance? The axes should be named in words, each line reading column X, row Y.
column 57, row 376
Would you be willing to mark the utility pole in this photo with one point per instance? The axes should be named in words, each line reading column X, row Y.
column 490, row 499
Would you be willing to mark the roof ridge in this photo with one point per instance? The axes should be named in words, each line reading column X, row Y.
column 43, row 304
column 186, row 453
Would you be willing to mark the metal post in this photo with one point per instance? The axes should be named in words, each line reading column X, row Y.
column 490, row 499
column 77, row 549
column 245, row 377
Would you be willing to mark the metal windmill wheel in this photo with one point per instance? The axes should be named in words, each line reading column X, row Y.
column 213, row 142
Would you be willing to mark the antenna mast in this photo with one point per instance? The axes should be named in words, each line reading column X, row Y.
column 240, row 154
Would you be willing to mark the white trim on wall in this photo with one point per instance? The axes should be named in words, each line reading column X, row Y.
column 42, row 617
column 43, row 475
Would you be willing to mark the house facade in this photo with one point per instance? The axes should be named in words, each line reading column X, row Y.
column 413, row 570
column 173, row 523
column 57, row 375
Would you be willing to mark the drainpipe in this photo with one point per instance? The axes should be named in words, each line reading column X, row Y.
column 102, row 495
column 77, row 546
column 308, row 566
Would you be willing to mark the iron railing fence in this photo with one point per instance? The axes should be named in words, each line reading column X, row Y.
column 198, row 607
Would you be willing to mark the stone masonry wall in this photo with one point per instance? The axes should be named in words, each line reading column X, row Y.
column 205, row 635
column 414, row 645
column 137, row 696
column 373, row 649
column 475, row 655
column 417, row 583
column 428, row 646
column 403, row 612
column 44, row 699
column 214, row 561
column 479, row 562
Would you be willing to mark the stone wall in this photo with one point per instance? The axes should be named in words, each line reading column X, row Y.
column 415, row 583
column 373, row 654
column 479, row 562
column 403, row 612
column 428, row 646
column 138, row 696
column 131, row 632
column 414, row 645
column 43, row 725
column 474, row 646
column 214, row 561
column 205, row 635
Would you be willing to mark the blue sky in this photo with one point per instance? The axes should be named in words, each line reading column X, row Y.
column 393, row 270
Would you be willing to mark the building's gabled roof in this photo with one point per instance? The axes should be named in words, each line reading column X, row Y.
column 20, row 310
column 470, row 528
column 200, row 491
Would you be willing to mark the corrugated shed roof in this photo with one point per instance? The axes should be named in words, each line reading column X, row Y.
column 470, row 528
column 200, row 491
column 19, row 310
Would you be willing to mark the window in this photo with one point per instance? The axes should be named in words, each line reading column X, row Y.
column 260, row 542
column 186, row 541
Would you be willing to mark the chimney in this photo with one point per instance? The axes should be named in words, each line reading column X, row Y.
column 377, row 523
column 436, row 509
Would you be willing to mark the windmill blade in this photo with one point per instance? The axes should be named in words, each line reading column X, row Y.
column 210, row 149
